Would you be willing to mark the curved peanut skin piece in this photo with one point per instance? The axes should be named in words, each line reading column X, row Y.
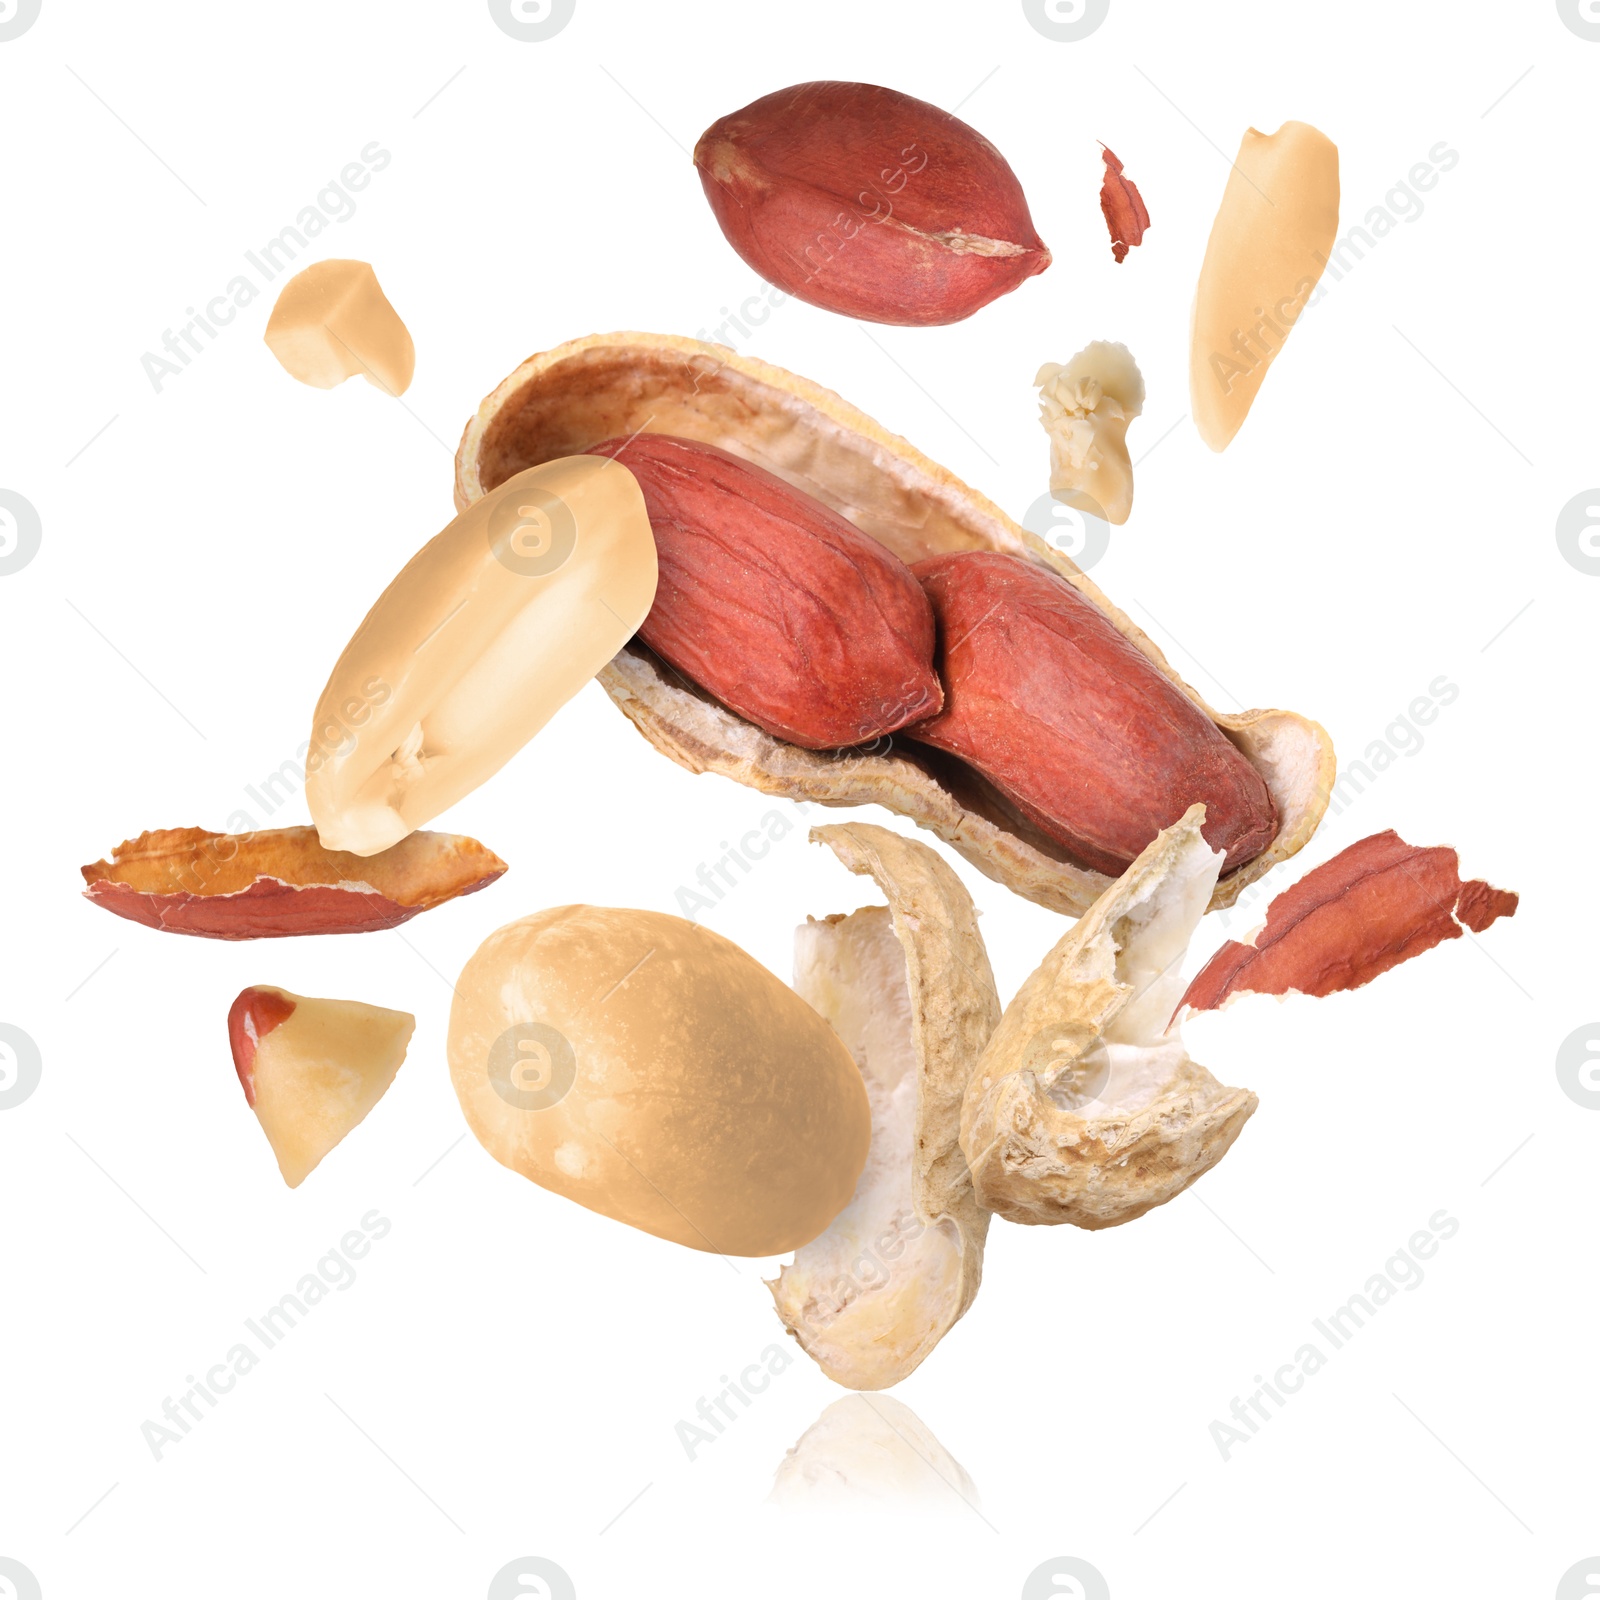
column 776, row 605
column 280, row 882
column 1123, row 207
column 1374, row 905
column 864, row 201
column 1073, row 724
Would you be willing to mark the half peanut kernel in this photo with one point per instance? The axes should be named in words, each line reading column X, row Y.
column 488, row 631
column 1276, row 225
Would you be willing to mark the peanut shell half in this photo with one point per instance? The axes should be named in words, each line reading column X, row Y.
column 908, row 988
column 579, row 394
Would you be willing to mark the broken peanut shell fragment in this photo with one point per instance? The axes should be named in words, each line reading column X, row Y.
column 1268, row 246
column 1085, row 1106
column 865, row 201
column 652, row 1071
column 312, row 1069
column 1374, row 905
column 608, row 385
column 279, row 882
column 908, row 988
column 486, row 633
column 332, row 321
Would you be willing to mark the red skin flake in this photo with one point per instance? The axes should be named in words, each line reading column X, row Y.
column 1123, row 206
column 1371, row 907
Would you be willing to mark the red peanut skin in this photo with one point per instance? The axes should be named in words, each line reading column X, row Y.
column 1123, row 207
column 867, row 202
column 268, row 909
column 1374, row 905
column 295, row 886
column 1073, row 724
column 774, row 604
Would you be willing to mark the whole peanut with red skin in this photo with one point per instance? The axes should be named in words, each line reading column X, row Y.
column 865, row 201
column 776, row 605
column 1073, row 724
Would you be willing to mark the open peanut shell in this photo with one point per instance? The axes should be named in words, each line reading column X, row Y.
column 609, row 385
column 279, row 882
column 1085, row 1106
column 908, row 988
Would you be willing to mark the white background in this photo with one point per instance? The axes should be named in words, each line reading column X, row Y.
column 505, row 1376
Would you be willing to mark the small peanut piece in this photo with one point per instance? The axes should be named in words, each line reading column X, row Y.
column 870, row 203
column 332, row 321
column 774, row 604
column 1073, row 724
column 1085, row 407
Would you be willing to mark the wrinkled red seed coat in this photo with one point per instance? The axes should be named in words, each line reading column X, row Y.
column 1074, row 724
column 868, row 202
column 774, row 604
column 1122, row 206
column 1374, row 905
